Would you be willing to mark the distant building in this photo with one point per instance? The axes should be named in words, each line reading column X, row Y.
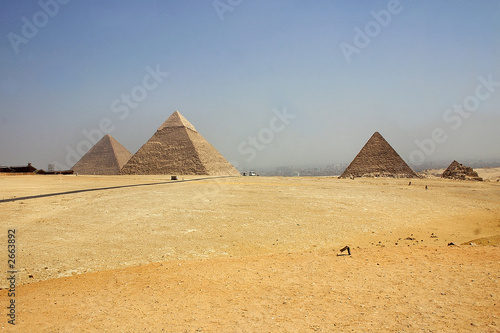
column 18, row 169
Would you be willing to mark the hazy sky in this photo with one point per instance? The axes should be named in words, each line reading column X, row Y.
column 268, row 83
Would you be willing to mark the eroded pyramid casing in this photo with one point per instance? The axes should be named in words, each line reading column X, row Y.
column 378, row 159
column 459, row 171
column 106, row 157
column 178, row 149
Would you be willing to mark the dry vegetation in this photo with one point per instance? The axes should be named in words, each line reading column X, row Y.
column 251, row 254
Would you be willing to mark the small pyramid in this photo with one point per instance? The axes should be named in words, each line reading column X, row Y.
column 106, row 157
column 378, row 159
column 178, row 149
column 460, row 171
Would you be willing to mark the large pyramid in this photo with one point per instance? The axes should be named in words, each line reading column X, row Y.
column 178, row 149
column 378, row 159
column 107, row 157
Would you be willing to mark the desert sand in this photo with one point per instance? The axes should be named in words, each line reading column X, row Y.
column 251, row 254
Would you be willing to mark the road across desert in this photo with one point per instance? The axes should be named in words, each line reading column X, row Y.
column 252, row 254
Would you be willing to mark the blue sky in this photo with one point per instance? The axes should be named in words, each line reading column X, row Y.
column 230, row 76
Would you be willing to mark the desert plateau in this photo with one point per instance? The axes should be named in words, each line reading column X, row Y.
column 251, row 254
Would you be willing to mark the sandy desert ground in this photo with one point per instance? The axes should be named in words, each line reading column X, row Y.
column 251, row 254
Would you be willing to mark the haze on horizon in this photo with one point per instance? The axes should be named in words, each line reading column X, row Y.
column 266, row 83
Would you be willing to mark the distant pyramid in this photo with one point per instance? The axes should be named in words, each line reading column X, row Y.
column 460, row 171
column 107, row 157
column 178, row 149
column 378, row 159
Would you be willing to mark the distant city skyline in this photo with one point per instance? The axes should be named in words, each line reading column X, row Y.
column 268, row 84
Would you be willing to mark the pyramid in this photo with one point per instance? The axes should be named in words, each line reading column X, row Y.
column 178, row 149
column 378, row 159
column 460, row 171
column 107, row 157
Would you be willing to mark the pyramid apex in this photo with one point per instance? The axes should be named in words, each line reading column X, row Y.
column 376, row 136
column 454, row 163
column 176, row 119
